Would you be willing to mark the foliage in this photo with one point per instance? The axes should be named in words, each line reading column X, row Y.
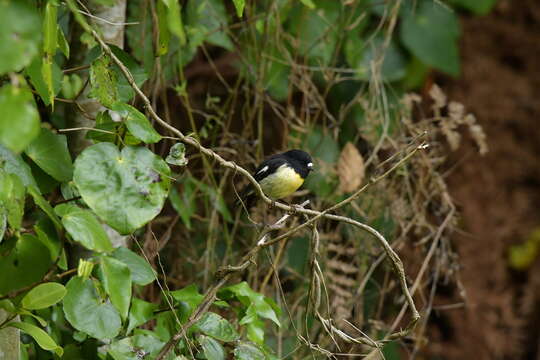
column 304, row 68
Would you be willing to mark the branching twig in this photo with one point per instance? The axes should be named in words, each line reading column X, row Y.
column 225, row 273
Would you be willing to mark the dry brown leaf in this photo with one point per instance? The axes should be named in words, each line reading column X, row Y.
column 350, row 168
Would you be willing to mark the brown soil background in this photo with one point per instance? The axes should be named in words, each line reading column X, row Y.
column 498, row 194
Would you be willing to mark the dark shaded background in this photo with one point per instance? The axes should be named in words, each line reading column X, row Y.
column 498, row 194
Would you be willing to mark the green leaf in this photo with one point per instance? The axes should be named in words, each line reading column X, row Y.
column 47, row 235
column 43, row 296
column 137, row 123
column 189, row 298
column 50, row 36
column 316, row 31
column 164, row 33
column 430, row 32
column 174, row 20
column 211, row 348
column 125, row 91
column 184, row 204
column 20, row 35
column 239, row 5
column 126, row 189
column 45, row 206
column 86, row 311
column 62, row 42
column 177, row 155
column 140, row 312
column 117, row 283
column 19, row 123
column 26, row 263
column 255, row 302
column 42, row 338
column 3, row 222
column 12, row 194
column 104, row 81
column 106, row 123
column 35, row 73
column 247, row 351
column 13, row 164
column 479, row 7
column 71, row 85
column 50, row 152
column 47, row 73
column 217, row 327
column 255, row 331
column 141, row 272
column 84, row 227
column 393, row 65
column 206, row 16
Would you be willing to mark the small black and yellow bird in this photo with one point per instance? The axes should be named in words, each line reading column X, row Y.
column 280, row 175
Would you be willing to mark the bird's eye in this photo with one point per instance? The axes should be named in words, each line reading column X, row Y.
column 310, row 165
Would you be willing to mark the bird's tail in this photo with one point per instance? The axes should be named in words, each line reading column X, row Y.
column 247, row 197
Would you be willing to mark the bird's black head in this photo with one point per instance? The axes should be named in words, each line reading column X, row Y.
column 302, row 159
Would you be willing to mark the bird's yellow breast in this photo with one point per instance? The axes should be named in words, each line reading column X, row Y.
column 282, row 183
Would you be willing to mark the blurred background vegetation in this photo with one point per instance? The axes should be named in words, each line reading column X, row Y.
column 358, row 84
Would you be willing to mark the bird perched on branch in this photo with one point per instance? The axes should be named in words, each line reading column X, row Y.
column 279, row 175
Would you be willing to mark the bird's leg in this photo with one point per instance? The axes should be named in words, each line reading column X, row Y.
column 293, row 210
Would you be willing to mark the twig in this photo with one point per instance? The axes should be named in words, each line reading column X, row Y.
column 210, row 295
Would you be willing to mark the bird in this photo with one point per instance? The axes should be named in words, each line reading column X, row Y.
column 279, row 175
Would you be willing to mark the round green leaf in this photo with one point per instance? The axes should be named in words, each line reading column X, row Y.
column 217, row 327
column 126, row 189
column 43, row 296
column 42, row 338
column 137, row 123
column 20, row 33
column 50, row 152
column 86, row 311
column 117, row 283
column 19, row 123
column 141, row 272
column 430, row 32
column 84, row 227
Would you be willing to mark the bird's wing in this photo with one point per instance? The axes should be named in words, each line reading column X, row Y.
column 267, row 167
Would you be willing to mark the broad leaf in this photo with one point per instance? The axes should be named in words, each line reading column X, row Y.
column 12, row 194
column 141, row 272
column 34, row 71
column 117, row 283
column 13, row 164
column 211, row 348
column 20, row 34
column 18, row 107
column 257, row 304
column 140, row 312
column 103, row 80
column 42, row 338
column 126, row 189
column 137, row 123
column 84, row 227
column 87, row 312
column 217, row 327
column 239, row 5
column 26, row 263
column 430, row 32
column 50, row 152
column 247, row 351
column 206, row 16
column 43, row 296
